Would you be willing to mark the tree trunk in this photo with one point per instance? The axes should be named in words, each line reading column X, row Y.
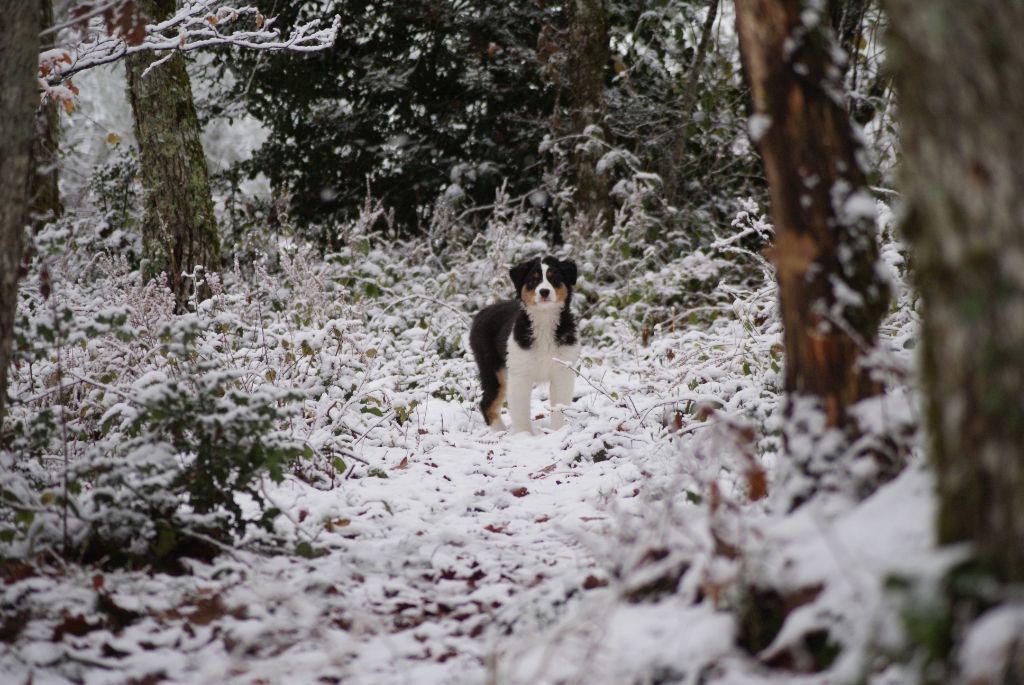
column 179, row 230
column 959, row 69
column 588, row 55
column 19, row 96
column 831, row 297
column 671, row 174
column 45, row 193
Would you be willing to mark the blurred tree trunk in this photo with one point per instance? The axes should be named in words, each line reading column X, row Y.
column 45, row 193
column 959, row 69
column 825, row 251
column 179, row 229
column 671, row 175
column 19, row 96
column 587, row 58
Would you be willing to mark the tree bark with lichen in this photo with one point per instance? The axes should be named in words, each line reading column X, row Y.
column 179, row 230
column 831, row 297
column 959, row 69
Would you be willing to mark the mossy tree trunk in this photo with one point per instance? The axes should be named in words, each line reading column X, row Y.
column 587, row 58
column 179, row 230
column 959, row 69
column 825, row 252
column 45, row 194
column 19, row 97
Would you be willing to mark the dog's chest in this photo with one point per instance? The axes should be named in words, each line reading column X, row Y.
column 537, row 361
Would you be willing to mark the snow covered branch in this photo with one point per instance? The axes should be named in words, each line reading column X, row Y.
column 114, row 30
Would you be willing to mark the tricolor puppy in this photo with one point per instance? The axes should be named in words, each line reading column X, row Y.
column 516, row 342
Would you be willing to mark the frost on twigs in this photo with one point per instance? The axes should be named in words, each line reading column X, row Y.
column 105, row 32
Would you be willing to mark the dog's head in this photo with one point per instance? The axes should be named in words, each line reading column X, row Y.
column 545, row 283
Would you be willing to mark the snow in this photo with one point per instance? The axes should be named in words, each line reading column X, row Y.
column 992, row 643
column 758, row 125
column 615, row 550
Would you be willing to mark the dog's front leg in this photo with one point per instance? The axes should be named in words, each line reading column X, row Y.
column 519, row 403
column 562, row 381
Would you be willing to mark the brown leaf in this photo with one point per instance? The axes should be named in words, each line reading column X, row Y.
column 404, row 464
column 757, row 480
column 98, row 582
column 520, row 492
column 209, row 609
column 592, row 582
column 336, row 523
column 547, row 469
column 11, row 625
column 76, row 625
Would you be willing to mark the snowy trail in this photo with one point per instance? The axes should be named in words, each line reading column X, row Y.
column 471, row 536
column 456, row 546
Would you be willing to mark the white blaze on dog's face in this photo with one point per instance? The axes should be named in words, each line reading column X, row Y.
column 544, row 284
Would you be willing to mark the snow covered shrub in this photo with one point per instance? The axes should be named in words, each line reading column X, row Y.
column 114, row 193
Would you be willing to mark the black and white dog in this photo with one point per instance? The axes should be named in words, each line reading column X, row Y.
column 517, row 342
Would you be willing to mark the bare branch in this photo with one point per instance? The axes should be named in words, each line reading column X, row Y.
column 198, row 24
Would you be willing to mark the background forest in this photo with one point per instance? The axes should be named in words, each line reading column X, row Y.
column 240, row 248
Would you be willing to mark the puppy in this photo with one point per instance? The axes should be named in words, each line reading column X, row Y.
column 516, row 342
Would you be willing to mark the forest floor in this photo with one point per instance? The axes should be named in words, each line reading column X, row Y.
column 480, row 558
column 622, row 548
column 646, row 542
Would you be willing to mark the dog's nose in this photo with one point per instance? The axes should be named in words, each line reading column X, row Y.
column 543, row 292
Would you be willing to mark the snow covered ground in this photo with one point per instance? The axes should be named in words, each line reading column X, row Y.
column 623, row 548
column 626, row 548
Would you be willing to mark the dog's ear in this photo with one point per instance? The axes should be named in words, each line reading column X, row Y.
column 518, row 275
column 568, row 269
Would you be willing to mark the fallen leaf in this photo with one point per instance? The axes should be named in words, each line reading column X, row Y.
column 520, row 492
column 404, row 464
column 76, row 625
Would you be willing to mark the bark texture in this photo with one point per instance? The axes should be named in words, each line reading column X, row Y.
column 586, row 61
column 19, row 96
column 45, row 193
column 179, row 230
column 959, row 69
column 825, row 251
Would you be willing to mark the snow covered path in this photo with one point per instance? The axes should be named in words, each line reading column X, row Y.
column 419, row 576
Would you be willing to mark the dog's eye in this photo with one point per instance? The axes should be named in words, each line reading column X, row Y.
column 536, row 274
